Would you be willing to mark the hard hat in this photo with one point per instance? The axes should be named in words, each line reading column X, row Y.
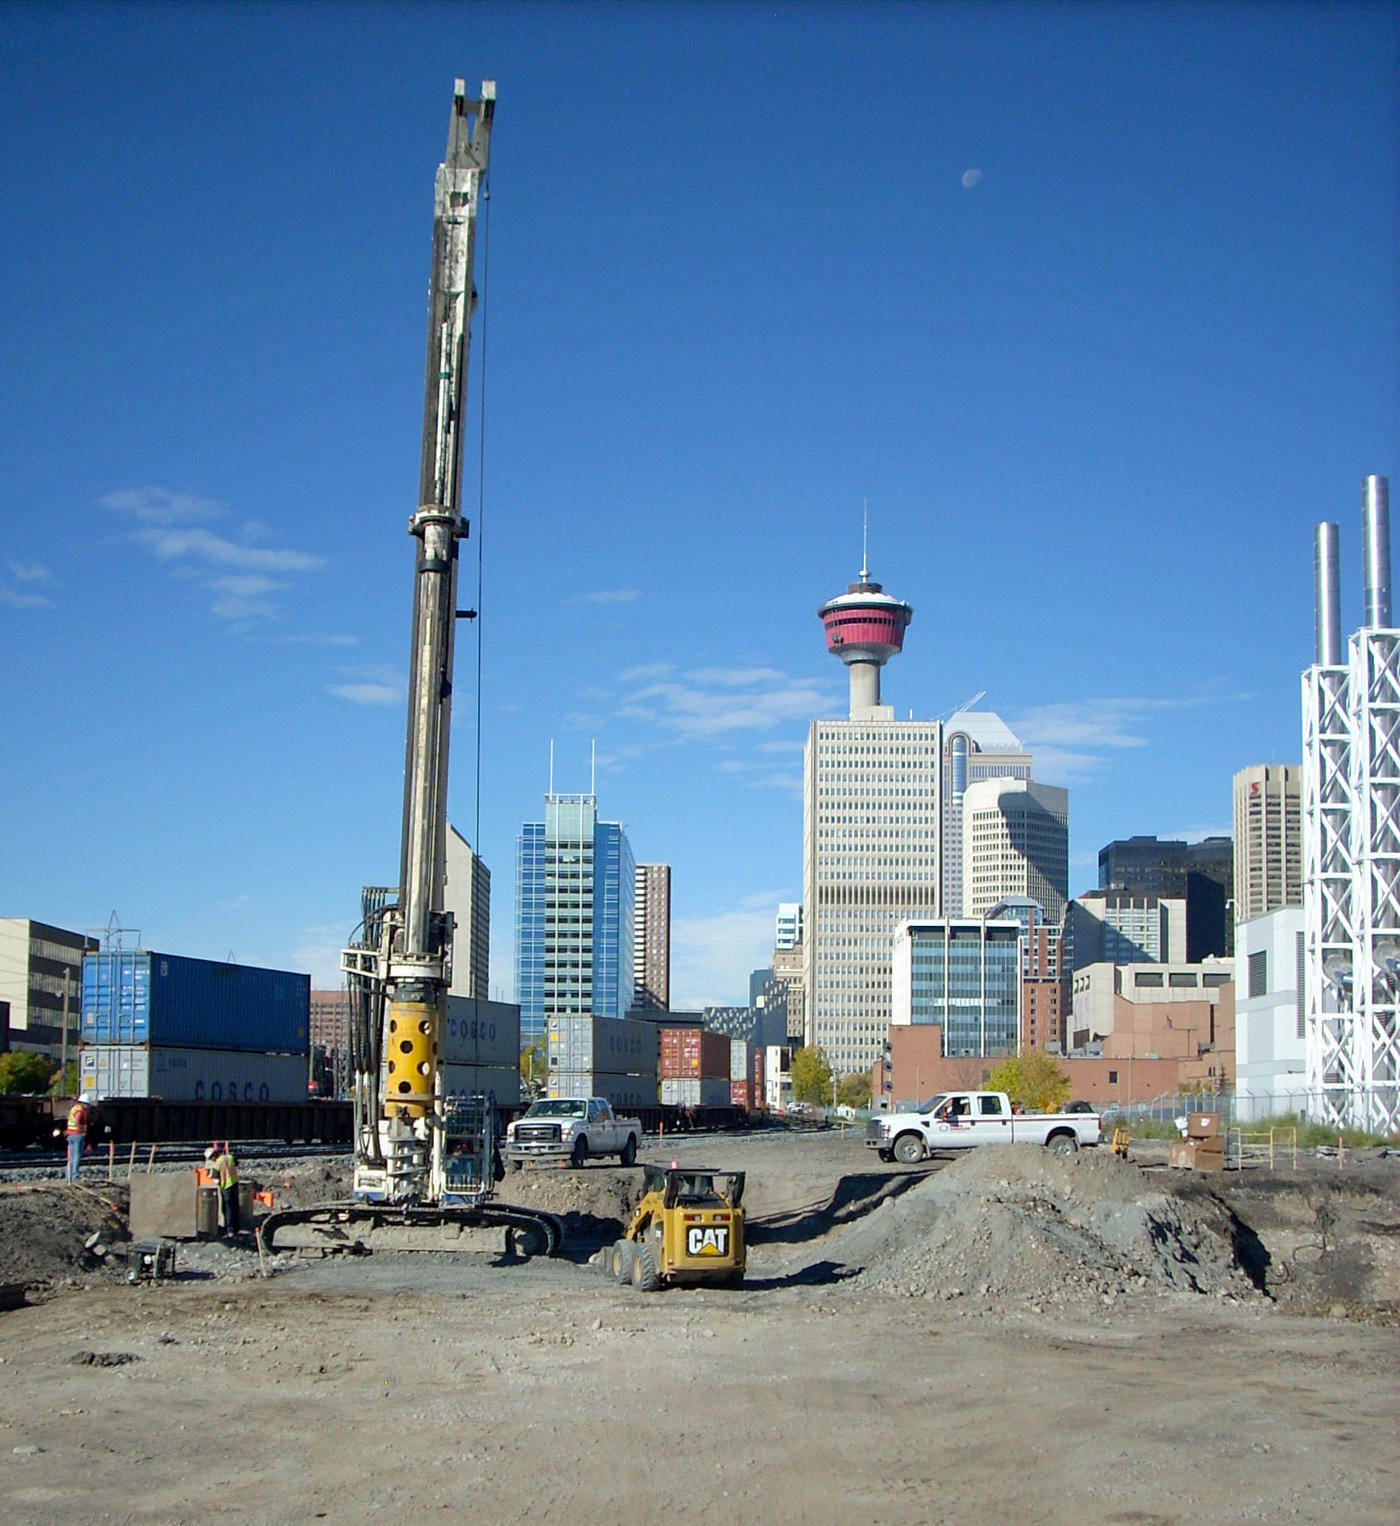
column 209, row 1153
column 87, row 1096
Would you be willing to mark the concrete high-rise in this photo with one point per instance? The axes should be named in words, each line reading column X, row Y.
column 575, row 887
column 467, row 895
column 1268, row 839
column 872, row 815
column 1015, row 842
column 977, row 745
column 41, row 977
column 651, row 938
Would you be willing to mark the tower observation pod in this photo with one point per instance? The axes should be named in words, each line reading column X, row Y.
column 865, row 628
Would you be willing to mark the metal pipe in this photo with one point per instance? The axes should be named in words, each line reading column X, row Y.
column 1375, row 542
column 1327, row 580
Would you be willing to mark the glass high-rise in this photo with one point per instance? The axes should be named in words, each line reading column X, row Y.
column 575, row 886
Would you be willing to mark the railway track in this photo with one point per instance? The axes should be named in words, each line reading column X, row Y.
column 36, row 1164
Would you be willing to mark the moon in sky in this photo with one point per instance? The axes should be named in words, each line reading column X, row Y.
column 971, row 177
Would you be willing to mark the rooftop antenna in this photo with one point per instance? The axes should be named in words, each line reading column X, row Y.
column 593, row 767
column 865, row 541
column 551, row 765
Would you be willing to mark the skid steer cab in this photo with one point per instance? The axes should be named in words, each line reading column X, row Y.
column 688, row 1228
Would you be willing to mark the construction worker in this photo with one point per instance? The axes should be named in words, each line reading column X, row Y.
column 76, row 1134
column 227, row 1168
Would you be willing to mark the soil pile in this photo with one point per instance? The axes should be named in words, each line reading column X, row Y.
column 1010, row 1223
column 43, row 1230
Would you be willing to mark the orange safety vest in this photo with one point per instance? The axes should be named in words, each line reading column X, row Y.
column 77, row 1119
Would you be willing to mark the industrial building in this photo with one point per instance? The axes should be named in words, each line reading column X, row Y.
column 1351, row 839
column 1270, row 1015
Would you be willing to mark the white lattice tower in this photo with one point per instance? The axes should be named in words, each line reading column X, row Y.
column 1328, row 879
column 1375, row 772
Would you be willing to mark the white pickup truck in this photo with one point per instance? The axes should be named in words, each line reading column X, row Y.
column 572, row 1129
column 959, row 1120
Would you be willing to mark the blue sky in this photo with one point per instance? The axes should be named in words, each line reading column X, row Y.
column 1095, row 305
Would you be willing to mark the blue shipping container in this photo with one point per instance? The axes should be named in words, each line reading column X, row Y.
column 170, row 1001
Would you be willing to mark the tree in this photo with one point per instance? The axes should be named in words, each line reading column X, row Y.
column 811, row 1075
column 854, row 1090
column 532, row 1068
column 24, row 1074
column 1031, row 1080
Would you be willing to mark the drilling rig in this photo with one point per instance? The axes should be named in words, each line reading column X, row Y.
column 423, row 1159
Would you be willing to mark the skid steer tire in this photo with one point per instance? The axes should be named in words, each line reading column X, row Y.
column 645, row 1277
column 620, row 1259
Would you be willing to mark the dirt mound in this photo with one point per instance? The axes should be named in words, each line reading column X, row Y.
column 1016, row 1224
column 43, row 1229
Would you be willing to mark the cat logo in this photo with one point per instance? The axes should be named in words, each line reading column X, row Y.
column 700, row 1241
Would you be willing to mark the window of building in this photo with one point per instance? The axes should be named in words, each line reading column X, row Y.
column 1147, row 977
column 1113, row 1078
column 1182, row 978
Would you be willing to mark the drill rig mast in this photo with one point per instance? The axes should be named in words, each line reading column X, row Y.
column 421, row 1158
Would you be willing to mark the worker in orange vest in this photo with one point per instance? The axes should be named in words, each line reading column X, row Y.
column 76, row 1135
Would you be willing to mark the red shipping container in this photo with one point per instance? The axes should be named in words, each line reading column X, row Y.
column 740, row 1094
column 758, row 1070
column 694, row 1054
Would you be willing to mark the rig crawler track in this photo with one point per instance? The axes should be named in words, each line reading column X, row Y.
column 351, row 1227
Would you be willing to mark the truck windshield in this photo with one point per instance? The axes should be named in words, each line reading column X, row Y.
column 557, row 1108
column 933, row 1101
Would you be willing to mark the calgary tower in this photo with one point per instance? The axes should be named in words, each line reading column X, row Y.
column 865, row 628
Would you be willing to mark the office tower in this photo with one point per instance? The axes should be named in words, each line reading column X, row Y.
column 1015, row 843
column 1118, row 927
column 789, row 968
column 977, row 745
column 651, row 938
column 1044, row 990
column 1268, row 839
column 788, row 933
column 1351, row 840
column 575, row 887
column 467, row 895
column 963, row 977
column 872, row 811
column 41, row 977
column 1199, row 874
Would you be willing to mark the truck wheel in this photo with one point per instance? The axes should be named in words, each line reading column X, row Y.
column 628, row 1156
column 580, row 1151
column 909, row 1149
column 623, row 1254
column 1062, row 1144
column 645, row 1277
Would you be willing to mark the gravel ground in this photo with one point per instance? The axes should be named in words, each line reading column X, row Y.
column 1006, row 1334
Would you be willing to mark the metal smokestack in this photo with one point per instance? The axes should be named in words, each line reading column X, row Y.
column 1375, row 544
column 1327, row 579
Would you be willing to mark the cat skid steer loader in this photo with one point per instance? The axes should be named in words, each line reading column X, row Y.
column 688, row 1229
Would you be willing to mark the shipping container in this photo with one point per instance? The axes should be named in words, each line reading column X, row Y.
column 622, row 1092
column 192, row 1075
column 173, row 1002
column 480, row 1033
column 694, row 1054
column 741, row 1094
column 677, row 1092
column 757, row 1077
column 477, row 1080
column 616, row 1046
column 739, row 1059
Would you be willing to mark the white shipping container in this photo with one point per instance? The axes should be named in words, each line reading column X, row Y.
column 622, row 1091
column 739, row 1060
column 614, row 1046
column 480, row 1033
column 474, row 1080
column 684, row 1092
column 192, row 1075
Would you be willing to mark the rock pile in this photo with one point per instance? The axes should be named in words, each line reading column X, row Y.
column 1021, row 1225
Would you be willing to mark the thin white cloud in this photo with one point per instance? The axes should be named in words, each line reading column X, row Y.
column 608, row 596
column 712, row 703
column 712, row 957
column 318, row 953
column 782, row 747
column 647, row 671
column 1073, row 741
column 17, row 600
column 236, row 569
column 27, row 572
column 159, row 506
column 373, row 685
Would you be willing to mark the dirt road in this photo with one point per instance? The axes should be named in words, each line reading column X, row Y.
column 851, row 1378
